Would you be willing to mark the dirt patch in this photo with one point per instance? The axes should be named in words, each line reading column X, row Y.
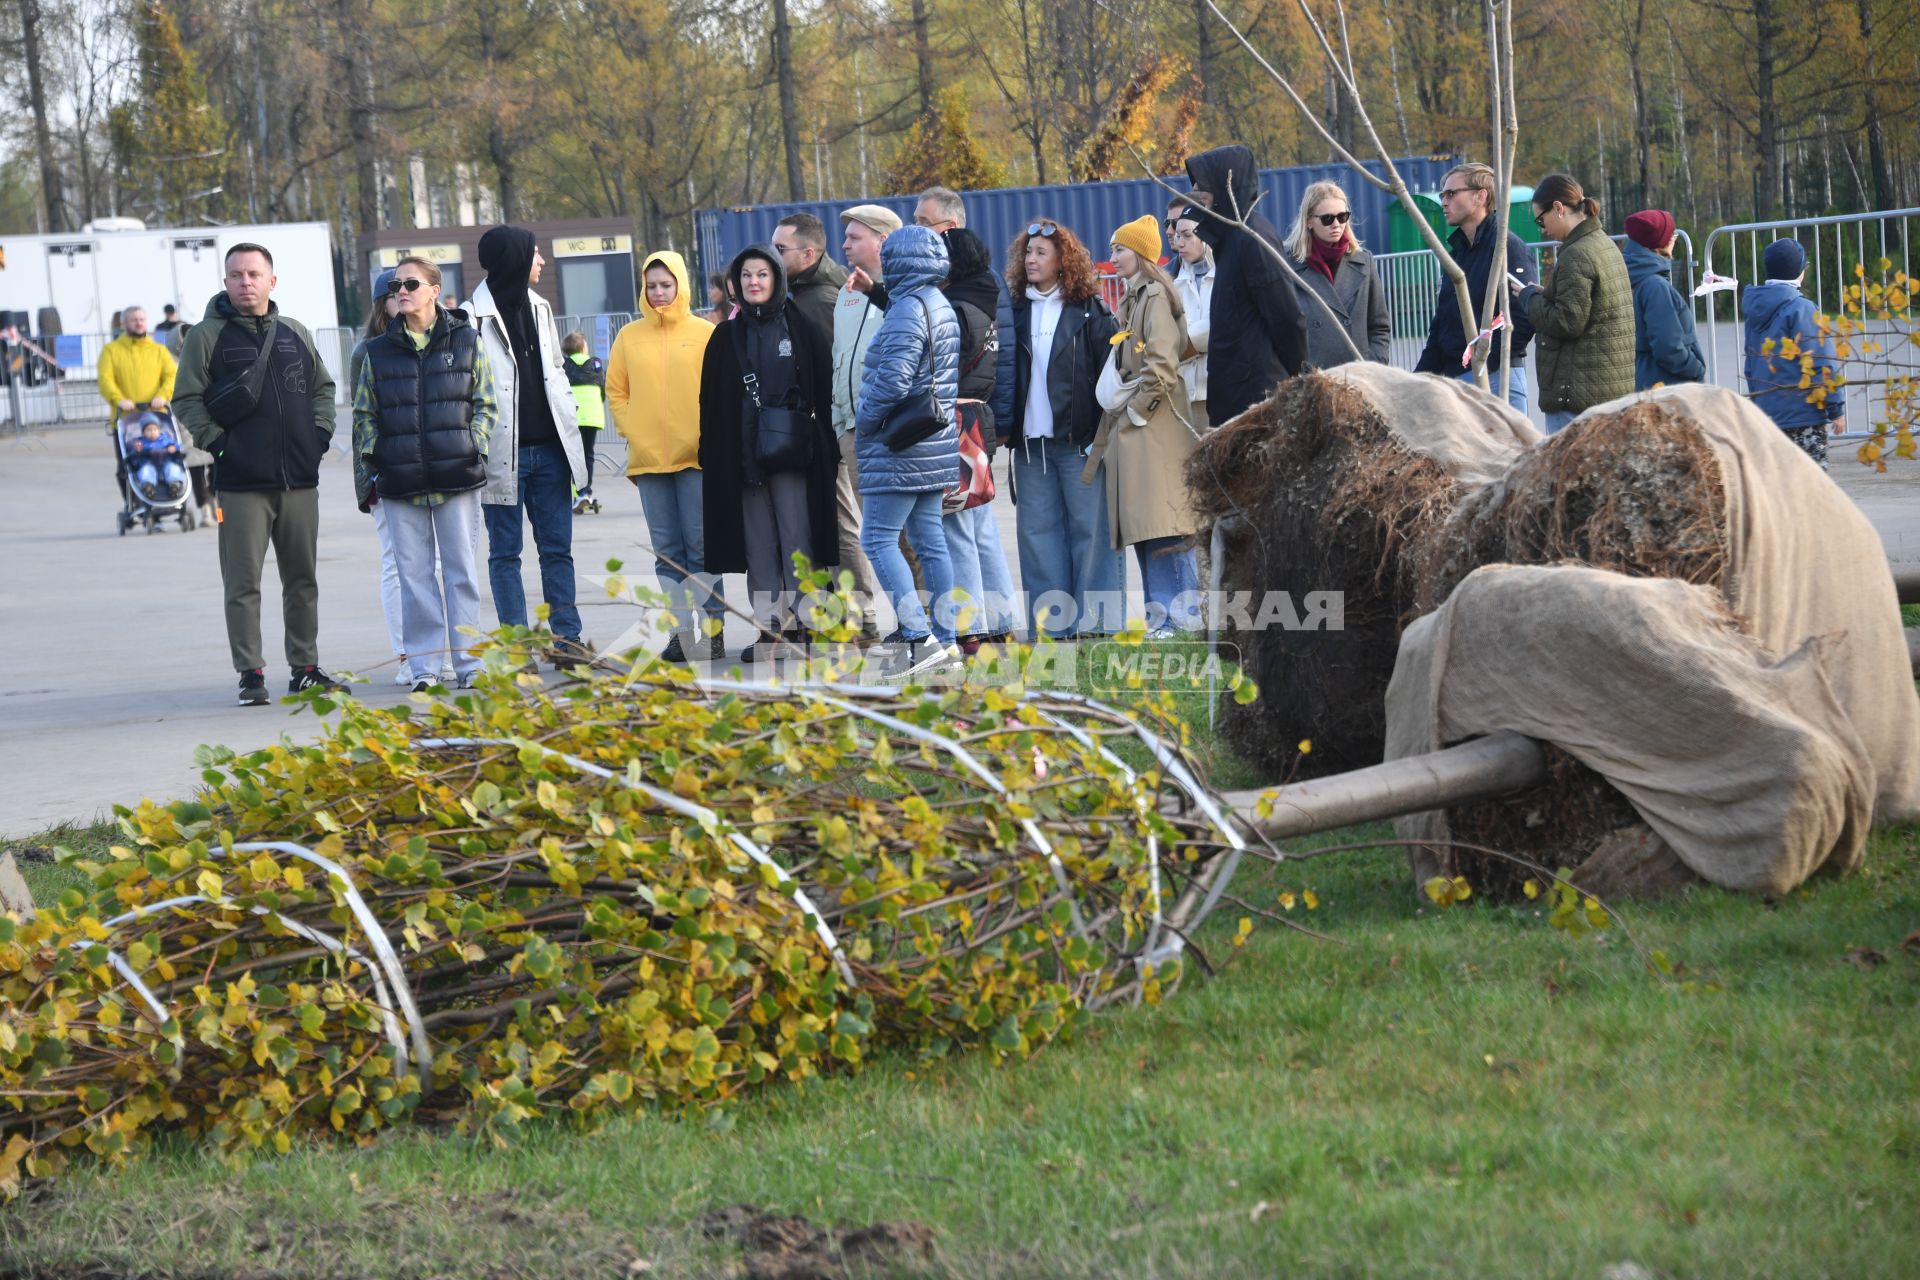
column 778, row 1247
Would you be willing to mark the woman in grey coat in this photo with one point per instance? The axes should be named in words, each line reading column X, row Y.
column 1328, row 256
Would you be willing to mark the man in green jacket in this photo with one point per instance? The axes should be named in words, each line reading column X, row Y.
column 266, row 461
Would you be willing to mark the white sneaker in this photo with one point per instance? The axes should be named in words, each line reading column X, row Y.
column 929, row 656
column 404, row 675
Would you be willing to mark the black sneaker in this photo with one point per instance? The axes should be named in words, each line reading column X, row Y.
column 305, row 678
column 253, row 688
column 565, row 653
column 673, row 652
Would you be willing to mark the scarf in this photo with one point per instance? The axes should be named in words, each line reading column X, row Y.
column 1325, row 258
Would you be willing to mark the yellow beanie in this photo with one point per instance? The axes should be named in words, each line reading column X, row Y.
column 1142, row 235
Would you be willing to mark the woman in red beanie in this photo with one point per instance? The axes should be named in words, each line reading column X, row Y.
column 1665, row 347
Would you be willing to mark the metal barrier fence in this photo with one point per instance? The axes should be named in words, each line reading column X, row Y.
column 1842, row 251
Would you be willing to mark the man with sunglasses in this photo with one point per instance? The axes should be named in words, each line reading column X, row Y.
column 1466, row 198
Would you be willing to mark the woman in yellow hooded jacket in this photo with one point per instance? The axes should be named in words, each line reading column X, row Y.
column 653, row 392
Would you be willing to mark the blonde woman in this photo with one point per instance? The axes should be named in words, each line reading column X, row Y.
column 1147, row 432
column 1339, row 271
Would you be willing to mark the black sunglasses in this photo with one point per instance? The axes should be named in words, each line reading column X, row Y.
column 410, row 285
column 1449, row 193
column 1041, row 228
column 1332, row 219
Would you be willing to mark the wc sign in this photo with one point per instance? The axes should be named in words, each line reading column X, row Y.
column 68, row 251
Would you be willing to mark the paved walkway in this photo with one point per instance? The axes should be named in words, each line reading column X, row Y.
column 113, row 656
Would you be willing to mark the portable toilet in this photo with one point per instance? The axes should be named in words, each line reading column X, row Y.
column 1403, row 236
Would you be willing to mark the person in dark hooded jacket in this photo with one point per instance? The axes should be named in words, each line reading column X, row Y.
column 1257, row 338
column 536, row 460
column 766, row 496
column 973, row 536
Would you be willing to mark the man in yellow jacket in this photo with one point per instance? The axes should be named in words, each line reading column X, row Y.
column 134, row 369
column 653, row 393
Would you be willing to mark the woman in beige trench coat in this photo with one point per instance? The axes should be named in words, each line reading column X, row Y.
column 1147, row 432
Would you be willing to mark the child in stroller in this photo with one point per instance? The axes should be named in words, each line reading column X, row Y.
column 151, row 451
column 153, row 473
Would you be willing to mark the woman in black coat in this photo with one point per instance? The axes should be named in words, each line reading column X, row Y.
column 758, row 516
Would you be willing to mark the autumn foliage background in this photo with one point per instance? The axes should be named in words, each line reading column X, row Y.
column 360, row 112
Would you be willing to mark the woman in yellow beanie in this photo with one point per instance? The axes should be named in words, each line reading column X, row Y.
column 1148, row 431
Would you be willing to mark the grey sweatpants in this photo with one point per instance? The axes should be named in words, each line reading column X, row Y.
column 289, row 521
column 777, row 525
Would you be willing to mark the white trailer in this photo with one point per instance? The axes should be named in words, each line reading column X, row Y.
column 88, row 275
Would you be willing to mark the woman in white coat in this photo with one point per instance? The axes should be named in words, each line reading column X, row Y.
column 1194, row 281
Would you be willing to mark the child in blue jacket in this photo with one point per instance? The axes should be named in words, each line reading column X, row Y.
column 1777, row 313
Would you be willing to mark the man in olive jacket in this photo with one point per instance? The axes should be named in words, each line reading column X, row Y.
column 266, row 463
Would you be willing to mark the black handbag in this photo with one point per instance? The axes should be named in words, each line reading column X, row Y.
column 232, row 400
column 782, row 437
column 915, row 418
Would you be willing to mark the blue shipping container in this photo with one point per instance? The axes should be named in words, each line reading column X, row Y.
column 1094, row 210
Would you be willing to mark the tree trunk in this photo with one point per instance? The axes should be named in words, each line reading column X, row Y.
column 1771, row 178
column 357, row 51
column 1203, row 51
column 1642, row 131
column 1393, row 71
column 1680, row 130
column 53, row 196
column 1883, row 195
column 789, row 110
column 923, row 56
column 503, row 164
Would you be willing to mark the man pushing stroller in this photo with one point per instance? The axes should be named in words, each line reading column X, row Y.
column 137, row 373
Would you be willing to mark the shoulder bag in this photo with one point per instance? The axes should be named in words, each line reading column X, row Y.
column 783, row 437
column 917, row 417
column 232, row 400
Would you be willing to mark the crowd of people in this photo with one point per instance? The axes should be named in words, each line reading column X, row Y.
column 844, row 417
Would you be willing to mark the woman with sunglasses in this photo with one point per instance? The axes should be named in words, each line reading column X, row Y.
column 1071, row 576
column 1584, row 315
column 423, row 412
column 1339, row 272
column 386, row 305
column 1147, row 435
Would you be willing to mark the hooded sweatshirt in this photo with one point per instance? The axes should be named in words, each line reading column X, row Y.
column 1257, row 337
column 1777, row 312
column 765, row 349
column 506, row 254
column 653, row 378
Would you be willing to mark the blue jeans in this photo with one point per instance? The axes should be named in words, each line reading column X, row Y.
column 980, row 571
column 1557, row 420
column 678, row 529
column 1172, row 581
column 1068, row 567
column 1516, row 393
column 546, row 495
column 885, row 516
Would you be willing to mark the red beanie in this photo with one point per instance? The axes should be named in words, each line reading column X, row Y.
column 1650, row 227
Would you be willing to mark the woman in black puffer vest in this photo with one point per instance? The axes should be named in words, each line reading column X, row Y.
column 423, row 410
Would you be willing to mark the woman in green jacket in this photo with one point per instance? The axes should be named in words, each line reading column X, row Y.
column 1584, row 314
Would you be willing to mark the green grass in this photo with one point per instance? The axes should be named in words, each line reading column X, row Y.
column 1442, row 1093
column 47, row 879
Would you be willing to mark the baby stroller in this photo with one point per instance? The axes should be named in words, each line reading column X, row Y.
column 167, row 495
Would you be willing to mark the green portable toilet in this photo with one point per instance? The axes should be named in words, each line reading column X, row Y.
column 1403, row 236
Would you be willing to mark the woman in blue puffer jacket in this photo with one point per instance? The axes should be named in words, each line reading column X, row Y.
column 916, row 348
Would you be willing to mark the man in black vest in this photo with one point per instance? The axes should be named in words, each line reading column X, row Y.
column 267, row 428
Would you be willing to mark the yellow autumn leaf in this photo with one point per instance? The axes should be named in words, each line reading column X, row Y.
column 1311, row 898
column 1306, row 746
column 1286, row 900
column 1119, row 337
